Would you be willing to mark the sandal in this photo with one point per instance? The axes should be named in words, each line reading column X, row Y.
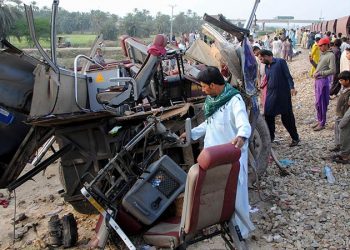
column 319, row 128
column 340, row 159
column 315, row 125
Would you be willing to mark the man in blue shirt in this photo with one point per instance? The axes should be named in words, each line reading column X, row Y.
column 280, row 88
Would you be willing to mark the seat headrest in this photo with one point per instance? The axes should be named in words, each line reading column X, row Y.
column 218, row 155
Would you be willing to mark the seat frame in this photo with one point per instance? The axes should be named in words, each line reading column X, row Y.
column 224, row 231
column 190, row 230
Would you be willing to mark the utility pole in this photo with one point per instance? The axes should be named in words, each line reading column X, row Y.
column 321, row 18
column 171, row 22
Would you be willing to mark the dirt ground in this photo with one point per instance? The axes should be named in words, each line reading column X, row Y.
column 290, row 218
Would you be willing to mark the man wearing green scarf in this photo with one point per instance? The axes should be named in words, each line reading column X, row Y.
column 226, row 121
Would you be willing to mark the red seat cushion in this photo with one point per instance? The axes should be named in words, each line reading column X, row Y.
column 217, row 155
column 164, row 234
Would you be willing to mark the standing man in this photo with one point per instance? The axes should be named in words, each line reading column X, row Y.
column 345, row 60
column 277, row 47
column 344, row 44
column 335, row 85
column 325, row 69
column 315, row 54
column 280, row 88
column 261, row 79
column 299, row 36
column 226, row 121
column 342, row 123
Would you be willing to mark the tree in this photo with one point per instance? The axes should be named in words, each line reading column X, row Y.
column 98, row 19
column 68, row 22
column 194, row 21
column 83, row 22
column 42, row 29
column 179, row 23
column 34, row 6
column 139, row 23
column 9, row 13
column 162, row 23
column 110, row 29
column 187, row 22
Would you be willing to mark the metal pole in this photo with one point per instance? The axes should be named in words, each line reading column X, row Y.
column 171, row 22
column 53, row 31
column 249, row 21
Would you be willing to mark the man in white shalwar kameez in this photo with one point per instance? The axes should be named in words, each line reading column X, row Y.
column 226, row 121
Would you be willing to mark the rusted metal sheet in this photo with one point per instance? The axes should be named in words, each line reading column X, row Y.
column 324, row 26
column 176, row 112
column 332, row 25
column 163, row 113
column 314, row 27
column 343, row 26
column 317, row 27
column 57, row 120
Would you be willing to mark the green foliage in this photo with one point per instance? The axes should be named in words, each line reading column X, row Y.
column 98, row 20
column 20, row 30
column 138, row 23
column 162, row 23
column 42, row 28
column 187, row 22
column 77, row 40
column 9, row 12
column 109, row 31
column 69, row 22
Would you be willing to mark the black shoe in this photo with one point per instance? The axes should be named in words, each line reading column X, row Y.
column 335, row 149
column 294, row 143
column 277, row 143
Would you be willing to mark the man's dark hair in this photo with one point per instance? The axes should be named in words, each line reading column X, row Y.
column 337, row 42
column 265, row 52
column 347, row 49
column 344, row 75
column 255, row 48
column 211, row 75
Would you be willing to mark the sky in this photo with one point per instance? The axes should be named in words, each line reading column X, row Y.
column 231, row 9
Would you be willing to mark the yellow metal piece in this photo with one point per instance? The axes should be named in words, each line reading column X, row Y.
column 96, row 205
column 100, row 78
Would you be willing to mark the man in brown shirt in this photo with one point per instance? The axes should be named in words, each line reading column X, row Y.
column 342, row 124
